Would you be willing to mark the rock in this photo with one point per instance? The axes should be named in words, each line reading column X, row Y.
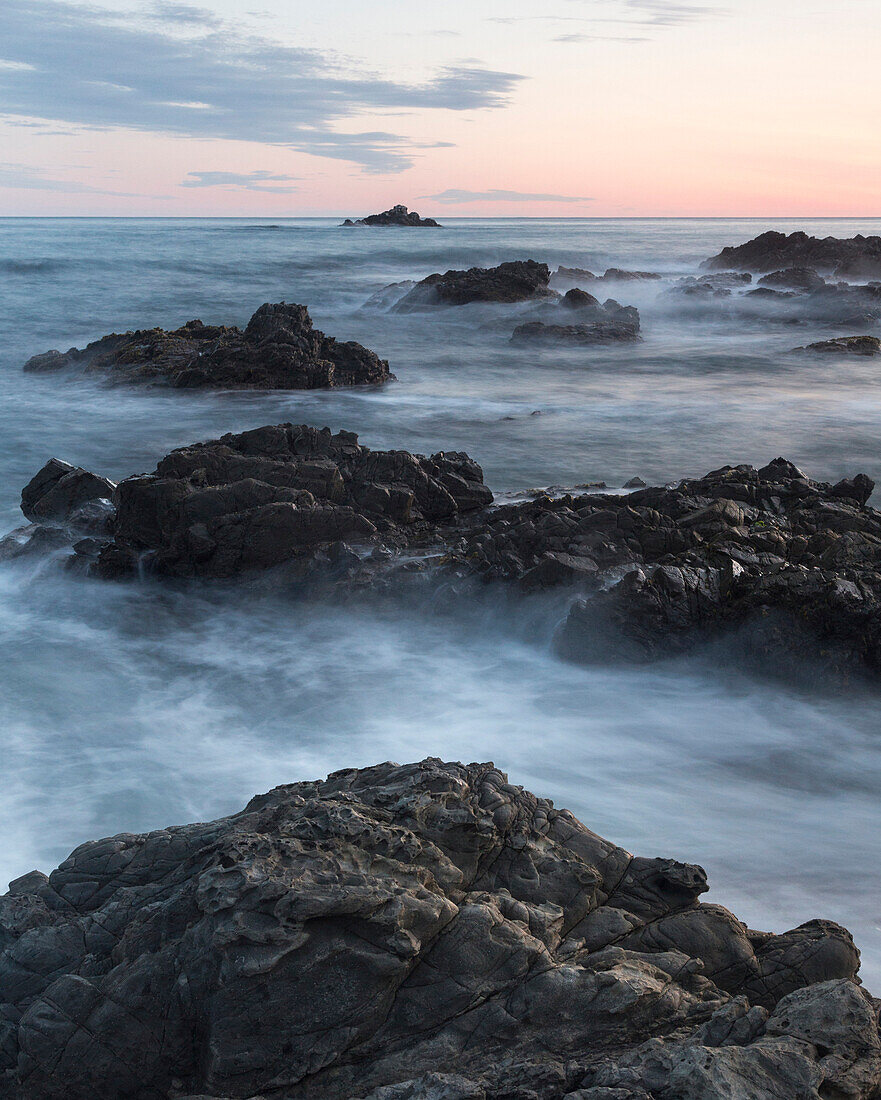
column 260, row 498
column 858, row 257
column 389, row 295
column 418, row 932
column 279, row 349
column 597, row 332
column 60, row 490
column 634, row 483
column 785, row 567
column 515, row 281
column 708, row 286
column 578, row 299
column 574, row 273
column 616, row 275
column 794, row 278
column 395, row 216
column 846, row 345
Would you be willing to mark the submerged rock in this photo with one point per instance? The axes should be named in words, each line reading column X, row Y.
column 857, row 257
column 425, row 931
column 514, row 281
column 617, row 275
column 794, row 278
column 279, row 349
column 847, row 345
column 395, row 216
column 594, row 332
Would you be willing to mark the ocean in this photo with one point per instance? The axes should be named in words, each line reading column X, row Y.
column 130, row 706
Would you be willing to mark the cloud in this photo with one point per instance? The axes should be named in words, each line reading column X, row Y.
column 662, row 13
column 21, row 177
column 574, row 38
column 630, row 13
column 210, row 81
column 454, row 195
column 244, row 181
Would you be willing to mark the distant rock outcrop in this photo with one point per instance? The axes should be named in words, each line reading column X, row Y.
column 418, row 932
column 395, row 216
column 514, row 281
column 856, row 257
column 279, row 349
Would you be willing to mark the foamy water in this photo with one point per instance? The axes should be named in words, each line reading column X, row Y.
column 131, row 706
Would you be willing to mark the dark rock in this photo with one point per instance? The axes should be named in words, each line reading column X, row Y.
column 572, row 273
column 425, row 932
column 616, row 275
column 279, row 349
column 389, row 295
column 846, row 345
column 858, row 257
column 596, row 332
column 634, row 483
column 794, row 278
column 396, row 216
column 263, row 497
column 708, row 286
column 515, row 281
column 59, row 490
column 578, row 299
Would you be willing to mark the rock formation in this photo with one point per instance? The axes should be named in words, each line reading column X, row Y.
column 846, row 345
column 661, row 568
column 515, row 281
column 425, row 932
column 279, row 349
column 583, row 335
column 854, row 258
column 396, row 216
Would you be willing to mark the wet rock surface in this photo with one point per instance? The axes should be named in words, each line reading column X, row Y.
column 395, row 216
column 427, row 931
column 659, row 569
column 591, row 332
column 847, row 345
column 856, row 257
column 279, row 349
column 514, row 281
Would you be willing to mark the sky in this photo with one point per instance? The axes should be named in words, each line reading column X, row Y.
column 597, row 108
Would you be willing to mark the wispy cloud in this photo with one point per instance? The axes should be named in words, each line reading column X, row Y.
column 455, row 195
column 21, row 177
column 627, row 13
column 575, row 38
column 267, row 182
column 201, row 79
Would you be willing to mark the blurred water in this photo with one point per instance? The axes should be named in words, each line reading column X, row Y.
column 127, row 707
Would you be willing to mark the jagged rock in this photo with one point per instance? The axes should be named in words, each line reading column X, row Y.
column 514, row 281
column 425, row 932
column 595, row 332
column 794, row 278
column 59, row 490
column 395, row 216
column 279, row 349
column 263, row 497
column 635, row 483
column 858, row 257
column 846, row 345
column 571, row 273
column 797, row 560
column 708, row 286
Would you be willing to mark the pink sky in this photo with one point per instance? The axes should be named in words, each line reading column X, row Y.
column 573, row 107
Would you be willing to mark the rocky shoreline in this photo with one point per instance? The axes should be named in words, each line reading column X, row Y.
column 425, row 932
column 659, row 569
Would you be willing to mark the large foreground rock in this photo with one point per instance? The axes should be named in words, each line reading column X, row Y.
column 515, row 281
column 279, row 349
column 856, row 257
column 427, row 931
column 395, row 216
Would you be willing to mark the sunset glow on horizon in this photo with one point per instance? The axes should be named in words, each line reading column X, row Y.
column 600, row 108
